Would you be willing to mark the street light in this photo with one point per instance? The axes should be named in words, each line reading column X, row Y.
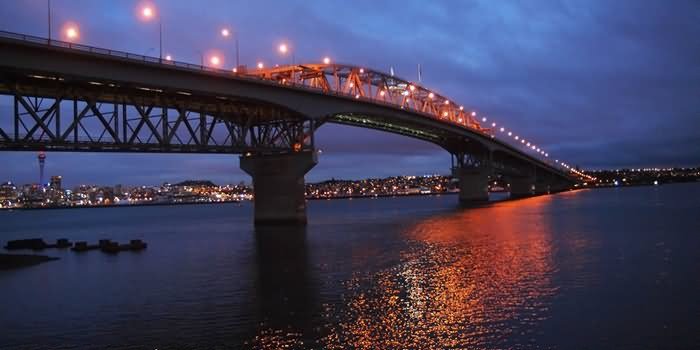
column 285, row 48
column 71, row 32
column 147, row 13
column 326, row 60
column 226, row 33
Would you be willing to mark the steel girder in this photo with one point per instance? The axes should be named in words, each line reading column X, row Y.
column 63, row 117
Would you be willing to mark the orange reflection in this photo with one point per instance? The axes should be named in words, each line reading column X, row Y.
column 480, row 276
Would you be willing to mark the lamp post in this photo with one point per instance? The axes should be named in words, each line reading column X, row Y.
column 148, row 12
column 284, row 49
column 226, row 33
column 48, row 13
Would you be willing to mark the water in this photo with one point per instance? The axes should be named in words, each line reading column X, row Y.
column 599, row 269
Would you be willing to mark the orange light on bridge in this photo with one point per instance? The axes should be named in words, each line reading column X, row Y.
column 461, row 108
column 283, row 48
column 168, row 58
column 326, row 60
column 260, row 65
column 148, row 12
column 431, row 95
column 215, row 60
column 382, row 93
column 71, row 32
column 411, row 87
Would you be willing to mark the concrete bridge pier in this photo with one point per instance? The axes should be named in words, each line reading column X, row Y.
column 542, row 188
column 278, row 186
column 560, row 186
column 522, row 186
column 473, row 184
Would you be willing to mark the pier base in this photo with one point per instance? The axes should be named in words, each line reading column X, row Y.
column 521, row 187
column 473, row 184
column 278, row 186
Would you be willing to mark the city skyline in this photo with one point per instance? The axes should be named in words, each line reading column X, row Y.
column 602, row 69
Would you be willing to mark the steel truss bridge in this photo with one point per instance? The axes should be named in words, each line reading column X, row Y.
column 71, row 97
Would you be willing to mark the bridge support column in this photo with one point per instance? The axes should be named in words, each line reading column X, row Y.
column 473, row 184
column 542, row 188
column 560, row 186
column 278, row 186
column 522, row 186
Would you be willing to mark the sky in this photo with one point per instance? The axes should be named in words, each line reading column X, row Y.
column 597, row 83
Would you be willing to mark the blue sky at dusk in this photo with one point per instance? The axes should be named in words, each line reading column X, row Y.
column 597, row 83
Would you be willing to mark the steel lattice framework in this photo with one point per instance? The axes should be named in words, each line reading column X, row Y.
column 51, row 116
column 371, row 85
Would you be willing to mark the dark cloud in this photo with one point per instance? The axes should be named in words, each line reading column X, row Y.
column 597, row 83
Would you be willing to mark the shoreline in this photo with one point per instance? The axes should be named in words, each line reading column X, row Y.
column 317, row 198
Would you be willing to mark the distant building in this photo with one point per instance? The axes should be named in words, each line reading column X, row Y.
column 56, row 183
column 8, row 195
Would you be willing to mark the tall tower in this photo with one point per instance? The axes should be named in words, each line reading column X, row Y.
column 42, row 159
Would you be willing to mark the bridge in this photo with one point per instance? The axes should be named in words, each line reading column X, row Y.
column 72, row 97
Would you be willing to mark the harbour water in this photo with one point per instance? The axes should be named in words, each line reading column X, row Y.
column 614, row 268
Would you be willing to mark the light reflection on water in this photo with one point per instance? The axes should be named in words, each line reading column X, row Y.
column 467, row 279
